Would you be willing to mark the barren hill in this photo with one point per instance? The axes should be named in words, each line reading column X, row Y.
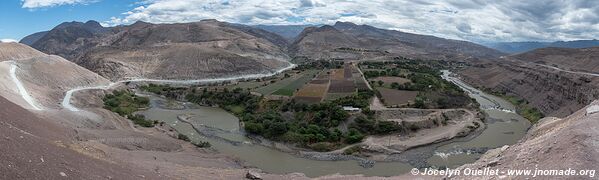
column 533, row 76
column 44, row 78
column 15, row 51
column 348, row 40
column 33, row 148
column 583, row 59
column 208, row 48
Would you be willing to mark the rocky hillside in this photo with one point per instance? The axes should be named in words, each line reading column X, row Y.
column 555, row 93
column 583, row 59
column 208, row 48
column 351, row 41
column 33, row 148
column 30, row 39
column 552, row 144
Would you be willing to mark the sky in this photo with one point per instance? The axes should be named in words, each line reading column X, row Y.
column 472, row 20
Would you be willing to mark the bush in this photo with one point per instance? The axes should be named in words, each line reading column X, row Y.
column 183, row 137
column 202, row 144
column 354, row 136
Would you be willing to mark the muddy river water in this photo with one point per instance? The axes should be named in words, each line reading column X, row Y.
column 222, row 130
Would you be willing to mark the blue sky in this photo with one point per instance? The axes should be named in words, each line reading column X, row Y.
column 472, row 20
column 17, row 22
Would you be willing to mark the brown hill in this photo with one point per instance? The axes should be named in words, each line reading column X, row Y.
column 44, row 77
column 15, row 51
column 583, row 59
column 348, row 40
column 553, row 92
column 33, row 148
column 208, row 48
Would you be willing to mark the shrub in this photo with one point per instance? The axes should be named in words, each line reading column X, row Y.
column 183, row 137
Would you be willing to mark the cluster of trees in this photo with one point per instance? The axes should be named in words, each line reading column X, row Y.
column 314, row 126
column 165, row 90
column 320, row 64
column 238, row 101
column 125, row 103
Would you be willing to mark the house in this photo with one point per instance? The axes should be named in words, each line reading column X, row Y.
column 351, row 109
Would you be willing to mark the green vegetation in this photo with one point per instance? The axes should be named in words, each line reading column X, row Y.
column 165, row 90
column 201, row 144
column 425, row 77
column 315, row 126
column 125, row 103
column 523, row 107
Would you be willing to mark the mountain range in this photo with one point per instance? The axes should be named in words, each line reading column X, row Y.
column 520, row 47
column 211, row 48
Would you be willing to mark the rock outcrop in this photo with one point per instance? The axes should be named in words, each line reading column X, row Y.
column 552, row 144
column 553, row 92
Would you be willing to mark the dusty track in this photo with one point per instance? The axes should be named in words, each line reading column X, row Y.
column 66, row 102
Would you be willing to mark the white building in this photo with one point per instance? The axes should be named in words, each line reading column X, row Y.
column 351, row 109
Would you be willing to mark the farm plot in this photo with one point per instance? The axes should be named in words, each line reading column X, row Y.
column 311, row 93
column 297, row 84
column 337, row 74
column 347, row 71
column 393, row 97
column 342, row 86
column 287, row 86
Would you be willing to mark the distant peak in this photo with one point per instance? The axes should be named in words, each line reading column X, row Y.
column 209, row 20
column 341, row 23
column 92, row 22
column 326, row 28
column 140, row 23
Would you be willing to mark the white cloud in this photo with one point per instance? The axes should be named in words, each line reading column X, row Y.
column 31, row 4
column 7, row 40
column 475, row 20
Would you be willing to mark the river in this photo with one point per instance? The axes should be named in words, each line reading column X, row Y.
column 222, row 130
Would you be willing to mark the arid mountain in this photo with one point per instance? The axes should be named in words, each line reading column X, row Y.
column 533, row 76
column 348, row 40
column 520, row 47
column 70, row 38
column 204, row 49
column 29, row 40
column 289, row 32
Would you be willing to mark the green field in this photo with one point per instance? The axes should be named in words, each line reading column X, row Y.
column 287, row 87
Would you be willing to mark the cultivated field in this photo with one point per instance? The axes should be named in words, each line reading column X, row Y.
column 342, row 86
column 393, row 97
column 311, row 93
column 337, row 74
column 288, row 85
